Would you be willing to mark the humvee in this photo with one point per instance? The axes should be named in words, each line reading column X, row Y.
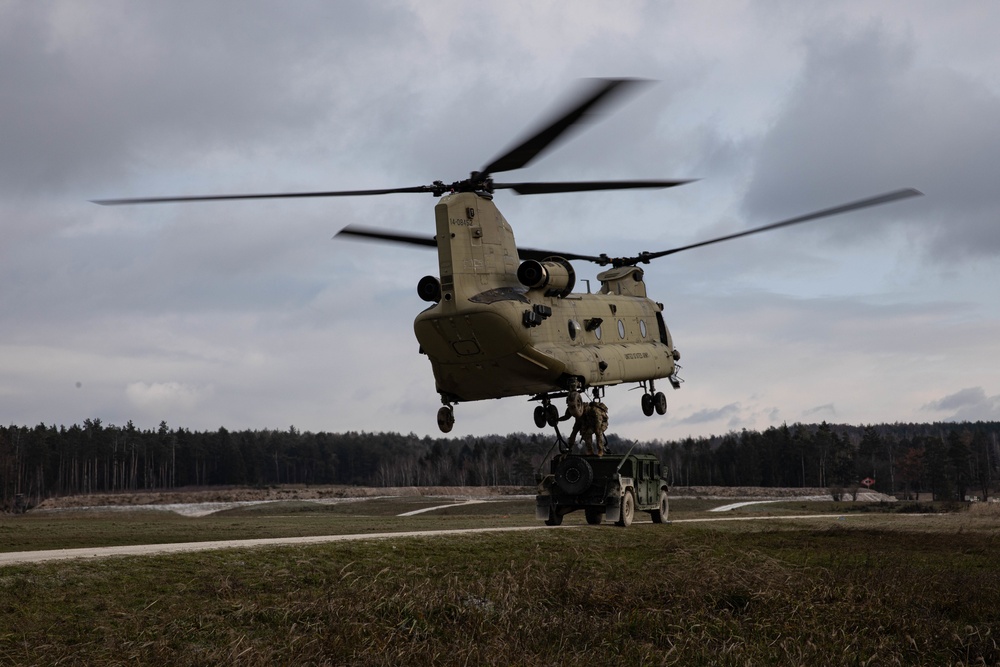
column 610, row 487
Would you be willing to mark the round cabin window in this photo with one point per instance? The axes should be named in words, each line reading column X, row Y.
column 621, row 329
column 642, row 327
column 574, row 328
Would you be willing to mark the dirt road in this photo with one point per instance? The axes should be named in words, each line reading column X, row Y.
column 22, row 557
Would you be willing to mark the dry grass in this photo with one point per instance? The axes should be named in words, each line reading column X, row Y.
column 985, row 510
column 272, row 494
column 808, row 593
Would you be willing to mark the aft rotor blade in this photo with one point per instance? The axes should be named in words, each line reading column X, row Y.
column 389, row 237
column 371, row 234
column 836, row 210
column 584, row 186
column 542, row 255
column 581, row 111
column 277, row 195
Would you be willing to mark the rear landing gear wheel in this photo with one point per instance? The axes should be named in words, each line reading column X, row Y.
column 647, row 404
column 660, row 403
column 446, row 419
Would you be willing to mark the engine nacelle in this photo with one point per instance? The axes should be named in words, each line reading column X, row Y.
column 429, row 289
column 555, row 274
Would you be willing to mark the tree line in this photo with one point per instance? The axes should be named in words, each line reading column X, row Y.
column 950, row 461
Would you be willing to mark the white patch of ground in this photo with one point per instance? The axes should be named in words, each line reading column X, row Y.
column 863, row 496
column 470, row 501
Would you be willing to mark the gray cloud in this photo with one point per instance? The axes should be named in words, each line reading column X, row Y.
column 249, row 315
column 827, row 409
column 867, row 115
column 726, row 412
column 971, row 404
column 99, row 91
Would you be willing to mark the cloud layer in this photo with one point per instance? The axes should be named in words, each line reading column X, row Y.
column 247, row 315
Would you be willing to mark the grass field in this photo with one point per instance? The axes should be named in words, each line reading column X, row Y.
column 870, row 588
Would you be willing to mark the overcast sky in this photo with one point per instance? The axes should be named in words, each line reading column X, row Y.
column 249, row 315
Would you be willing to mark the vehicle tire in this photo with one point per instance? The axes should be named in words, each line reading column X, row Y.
column 555, row 518
column 660, row 514
column 627, row 510
column 540, row 418
column 574, row 475
column 660, row 403
column 647, row 405
column 594, row 516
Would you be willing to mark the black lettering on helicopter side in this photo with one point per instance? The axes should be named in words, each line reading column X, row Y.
column 637, row 355
column 460, row 222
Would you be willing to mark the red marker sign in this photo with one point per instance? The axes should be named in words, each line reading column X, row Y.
column 868, row 482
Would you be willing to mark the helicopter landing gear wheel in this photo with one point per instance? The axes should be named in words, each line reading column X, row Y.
column 546, row 414
column 540, row 418
column 446, row 419
column 574, row 404
column 647, row 404
column 660, row 403
column 551, row 415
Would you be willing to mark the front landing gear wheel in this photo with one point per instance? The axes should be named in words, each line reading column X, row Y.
column 627, row 510
column 647, row 404
column 446, row 419
column 660, row 403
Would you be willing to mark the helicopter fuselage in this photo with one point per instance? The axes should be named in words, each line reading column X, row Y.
column 501, row 327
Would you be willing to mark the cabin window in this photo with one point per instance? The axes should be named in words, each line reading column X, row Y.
column 663, row 329
column 642, row 327
column 574, row 328
column 597, row 331
column 621, row 329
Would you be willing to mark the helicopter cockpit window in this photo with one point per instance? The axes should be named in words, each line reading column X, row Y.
column 621, row 329
column 574, row 328
column 642, row 327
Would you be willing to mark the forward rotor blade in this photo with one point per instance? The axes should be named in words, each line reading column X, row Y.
column 371, row 234
column 277, row 195
column 584, row 186
column 583, row 110
column 836, row 210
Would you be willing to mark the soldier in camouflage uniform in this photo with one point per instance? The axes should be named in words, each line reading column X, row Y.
column 591, row 424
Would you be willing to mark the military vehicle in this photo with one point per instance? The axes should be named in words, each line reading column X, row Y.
column 607, row 488
column 504, row 320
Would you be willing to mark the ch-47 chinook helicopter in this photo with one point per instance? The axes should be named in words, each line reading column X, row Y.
column 504, row 320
